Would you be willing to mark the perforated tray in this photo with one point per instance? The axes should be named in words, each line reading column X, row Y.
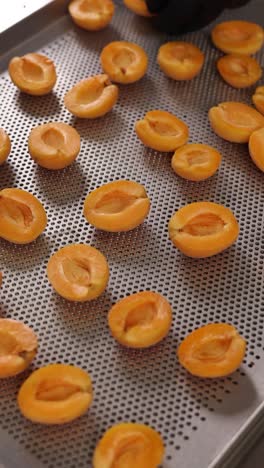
column 201, row 421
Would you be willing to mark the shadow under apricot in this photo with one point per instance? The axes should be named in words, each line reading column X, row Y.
column 39, row 106
column 17, row 257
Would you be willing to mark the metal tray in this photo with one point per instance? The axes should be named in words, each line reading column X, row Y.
column 203, row 423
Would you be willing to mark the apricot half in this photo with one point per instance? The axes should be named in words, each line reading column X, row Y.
column 138, row 6
column 129, row 445
column 5, row 146
column 140, row 320
column 54, row 145
column 162, row 131
column 235, row 121
column 124, row 62
column 18, row 347
column 214, row 350
column 180, row 60
column 240, row 71
column 256, row 148
column 241, row 37
column 55, row 394
column 196, row 161
column 92, row 15
column 33, row 74
column 258, row 99
column 117, row 206
column 22, row 216
column 203, row 229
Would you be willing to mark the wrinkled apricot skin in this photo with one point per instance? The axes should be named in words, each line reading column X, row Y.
column 180, row 61
column 92, row 15
column 162, row 131
column 18, row 347
column 256, row 148
column 203, row 229
column 55, row 394
column 139, row 7
column 140, row 320
column 258, row 99
column 117, row 206
column 22, row 216
column 239, row 71
column 129, row 445
column 5, row 146
column 235, row 121
column 33, row 74
column 214, row 350
column 124, row 62
column 238, row 37
column 196, row 162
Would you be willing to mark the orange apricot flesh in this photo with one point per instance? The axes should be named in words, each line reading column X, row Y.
column 5, row 146
column 180, row 60
column 196, row 161
column 214, row 350
column 129, row 445
column 238, row 37
column 140, row 320
column 33, row 74
column 124, row 62
column 18, row 347
column 117, row 206
column 240, row 71
column 22, row 216
column 258, row 99
column 92, row 15
column 203, row 229
column 139, row 7
column 235, row 121
column 55, row 394
column 256, row 148
column 162, row 131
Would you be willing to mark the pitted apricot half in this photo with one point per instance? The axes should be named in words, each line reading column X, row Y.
column 180, row 60
column 162, row 131
column 214, row 350
column 33, row 74
column 5, row 146
column 129, row 445
column 140, row 320
column 18, row 347
column 22, row 216
column 240, row 71
column 124, row 62
column 117, row 206
column 92, row 15
column 55, row 394
column 139, row 7
column 238, row 37
column 235, row 121
column 256, row 148
column 196, row 161
column 203, row 229
column 258, row 99
column 92, row 97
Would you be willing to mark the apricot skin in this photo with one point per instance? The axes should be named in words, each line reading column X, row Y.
column 180, row 61
column 93, row 19
column 256, row 148
column 239, row 71
column 238, row 37
column 139, row 7
column 5, row 146
column 196, row 162
column 258, row 99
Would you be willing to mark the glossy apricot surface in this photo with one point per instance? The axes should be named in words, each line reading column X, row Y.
column 256, row 148
column 240, row 71
column 203, row 229
column 33, row 74
column 258, row 99
column 162, row 131
column 196, row 161
column 124, row 62
column 92, row 15
column 18, row 347
column 54, row 145
column 214, row 350
column 117, row 206
column 5, row 146
column 180, row 60
column 238, row 37
column 235, row 121
column 138, row 6
column 129, row 445
column 22, row 216
column 55, row 394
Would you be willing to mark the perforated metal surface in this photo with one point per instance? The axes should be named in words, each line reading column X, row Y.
column 147, row 386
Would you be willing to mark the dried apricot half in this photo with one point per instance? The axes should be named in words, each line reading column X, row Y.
column 240, row 71
column 258, row 99
column 117, row 206
column 92, row 15
column 180, row 60
column 203, row 229
column 162, row 131
column 33, row 74
column 124, row 62
column 256, row 148
column 138, row 6
column 5, row 146
column 140, row 320
column 241, row 37
column 22, row 216
column 18, row 347
column 235, row 121
column 214, row 350
column 55, row 394
column 196, row 161
column 129, row 445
